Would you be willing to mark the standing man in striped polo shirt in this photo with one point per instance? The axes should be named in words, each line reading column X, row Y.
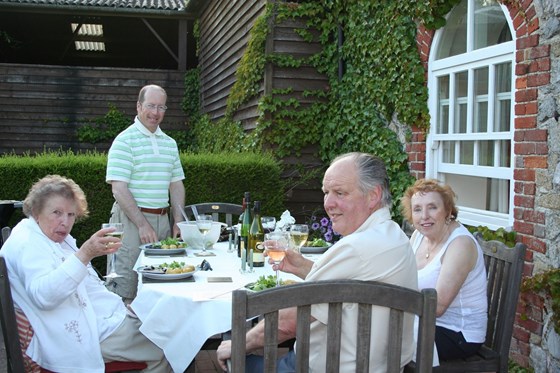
column 145, row 174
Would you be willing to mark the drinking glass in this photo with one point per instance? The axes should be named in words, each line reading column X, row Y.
column 276, row 245
column 204, row 223
column 118, row 232
column 299, row 234
column 268, row 223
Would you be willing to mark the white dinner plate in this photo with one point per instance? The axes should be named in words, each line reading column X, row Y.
column 154, row 274
column 314, row 249
column 150, row 249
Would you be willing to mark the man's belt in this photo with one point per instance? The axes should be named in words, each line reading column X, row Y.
column 161, row 211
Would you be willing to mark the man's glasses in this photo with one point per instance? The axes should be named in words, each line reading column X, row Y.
column 151, row 107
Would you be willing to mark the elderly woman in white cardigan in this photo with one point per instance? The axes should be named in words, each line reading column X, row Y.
column 77, row 323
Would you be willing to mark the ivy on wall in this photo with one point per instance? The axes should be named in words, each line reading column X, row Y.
column 383, row 76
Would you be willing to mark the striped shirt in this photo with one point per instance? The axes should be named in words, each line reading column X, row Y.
column 147, row 161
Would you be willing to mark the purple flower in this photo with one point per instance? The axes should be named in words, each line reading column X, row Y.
column 325, row 222
column 328, row 236
column 315, row 226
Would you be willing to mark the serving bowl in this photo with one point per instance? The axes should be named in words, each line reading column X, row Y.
column 193, row 238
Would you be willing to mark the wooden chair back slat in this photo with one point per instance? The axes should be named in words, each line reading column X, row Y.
column 5, row 234
column 363, row 340
column 365, row 294
column 222, row 212
column 333, row 337
column 9, row 323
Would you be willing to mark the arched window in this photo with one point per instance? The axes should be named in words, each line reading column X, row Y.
column 470, row 81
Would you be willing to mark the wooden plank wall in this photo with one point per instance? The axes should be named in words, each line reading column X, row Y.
column 41, row 105
column 224, row 32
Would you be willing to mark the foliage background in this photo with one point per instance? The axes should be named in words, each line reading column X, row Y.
column 383, row 79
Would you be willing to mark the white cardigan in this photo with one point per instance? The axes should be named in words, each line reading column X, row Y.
column 67, row 305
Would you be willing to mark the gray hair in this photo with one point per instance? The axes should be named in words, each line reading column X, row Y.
column 371, row 173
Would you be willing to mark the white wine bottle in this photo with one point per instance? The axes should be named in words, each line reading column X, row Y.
column 256, row 236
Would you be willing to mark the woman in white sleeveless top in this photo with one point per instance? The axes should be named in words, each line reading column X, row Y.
column 449, row 259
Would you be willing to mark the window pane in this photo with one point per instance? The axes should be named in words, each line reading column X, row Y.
column 480, row 192
column 443, row 107
column 467, row 152
column 486, row 153
column 490, row 25
column 448, row 152
column 454, row 39
column 503, row 97
column 461, row 89
column 505, row 153
column 481, row 100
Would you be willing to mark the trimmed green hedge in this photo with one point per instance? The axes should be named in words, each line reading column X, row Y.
column 208, row 178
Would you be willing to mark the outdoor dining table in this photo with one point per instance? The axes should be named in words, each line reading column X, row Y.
column 179, row 316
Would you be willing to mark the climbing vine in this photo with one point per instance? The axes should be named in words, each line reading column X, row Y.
column 383, row 76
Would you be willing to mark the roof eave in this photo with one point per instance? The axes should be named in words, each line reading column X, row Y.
column 98, row 11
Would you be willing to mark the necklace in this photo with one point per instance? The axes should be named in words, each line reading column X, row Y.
column 428, row 250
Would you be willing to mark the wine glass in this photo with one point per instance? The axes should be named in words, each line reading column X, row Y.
column 268, row 223
column 118, row 232
column 276, row 245
column 299, row 234
column 204, row 223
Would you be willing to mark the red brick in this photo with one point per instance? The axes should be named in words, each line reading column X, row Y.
column 531, row 108
column 525, row 122
column 539, row 51
column 533, row 25
column 518, row 20
column 530, row 13
column 527, row 42
column 524, row 148
column 521, row 334
column 529, row 189
column 418, row 147
column 519, row 109
column 544, row 64
column 524, row 175
column 538, row 80
column 519, row 56
column 531, row 326
column 536, row 162
column 536, row 245
column 518, row 212
column 526, row 95
column 535, row 135
column 521, row 82
column 521, row 69
column 522, row 227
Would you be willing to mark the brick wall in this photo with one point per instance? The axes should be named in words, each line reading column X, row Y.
column 533, row 66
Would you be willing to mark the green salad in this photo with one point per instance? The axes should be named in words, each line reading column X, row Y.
column 267, row 282
column 317, row 242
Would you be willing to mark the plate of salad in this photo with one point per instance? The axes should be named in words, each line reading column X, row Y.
column 169, row 246
column 266, row 282
column 317, row 246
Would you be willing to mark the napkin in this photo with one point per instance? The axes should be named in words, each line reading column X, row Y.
column 285, row 221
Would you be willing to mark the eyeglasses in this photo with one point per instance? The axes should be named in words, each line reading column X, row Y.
column 161, row 108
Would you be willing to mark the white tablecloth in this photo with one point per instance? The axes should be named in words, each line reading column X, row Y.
column 180, row 316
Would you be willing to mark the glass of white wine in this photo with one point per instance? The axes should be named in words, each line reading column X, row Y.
column 204, row 223
column 118, row 232
column 299, row 234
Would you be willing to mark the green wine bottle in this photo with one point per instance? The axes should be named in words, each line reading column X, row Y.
column 246, row 224
column 256, row 236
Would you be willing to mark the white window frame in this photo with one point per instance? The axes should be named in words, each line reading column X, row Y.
column 472, row 59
